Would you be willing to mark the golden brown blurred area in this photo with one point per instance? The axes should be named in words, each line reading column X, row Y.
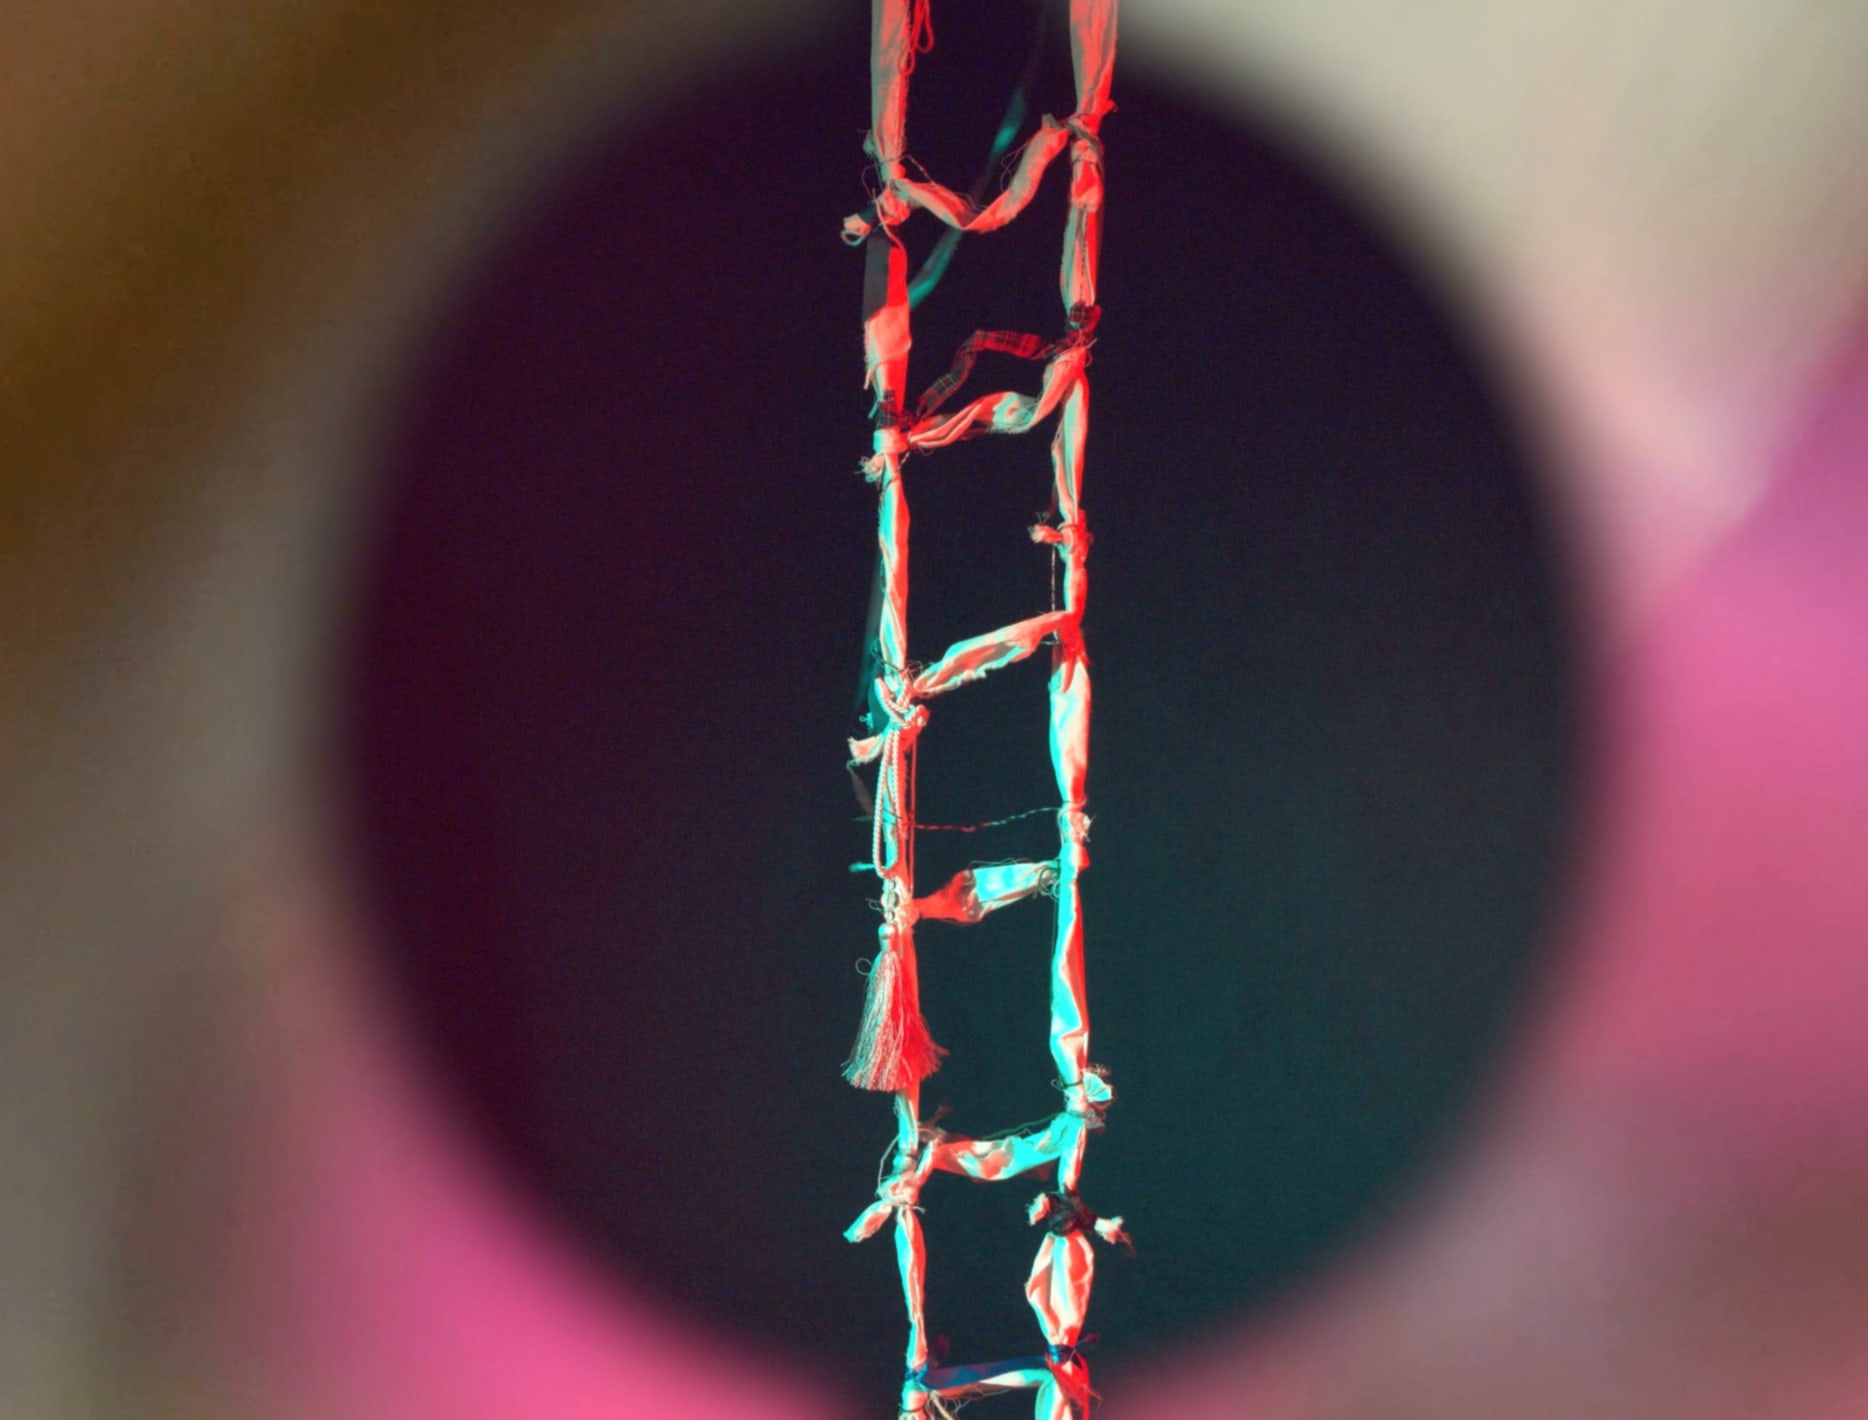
column 218, row 218
column 191, row 189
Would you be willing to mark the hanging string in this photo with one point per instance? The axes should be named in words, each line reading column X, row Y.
column 978, row 827
column 920, row 34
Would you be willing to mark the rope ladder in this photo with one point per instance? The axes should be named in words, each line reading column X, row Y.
column 894, row 1052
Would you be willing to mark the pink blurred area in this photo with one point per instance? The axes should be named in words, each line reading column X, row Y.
column 1728, row 940
column 389, row 1273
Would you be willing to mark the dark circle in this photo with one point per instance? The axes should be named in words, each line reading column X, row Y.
column 607, row 653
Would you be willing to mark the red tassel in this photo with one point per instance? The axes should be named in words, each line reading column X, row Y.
column 893, row 1048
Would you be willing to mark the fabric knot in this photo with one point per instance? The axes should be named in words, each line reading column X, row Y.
column 1074, row 537
column 1082, row 319
column 1073, row 826
column 906, row 715
column 1062, row 1212
column 891, row 208
column 897, row 1190
column 1089, row 1098
column 902, row 1191
column 1087, row 141
column 889, row 439
column 901, row 1187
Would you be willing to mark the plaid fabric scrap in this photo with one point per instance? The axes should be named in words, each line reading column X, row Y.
column 1003, row 342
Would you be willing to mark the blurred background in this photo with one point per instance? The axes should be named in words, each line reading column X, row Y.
column 434, row 571
column 610, row 637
